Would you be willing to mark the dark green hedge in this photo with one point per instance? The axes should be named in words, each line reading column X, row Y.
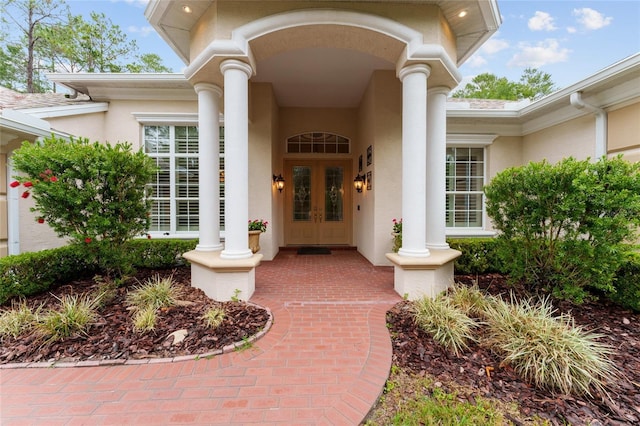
column 34, row 272
column 627, row 284
column 478, row 256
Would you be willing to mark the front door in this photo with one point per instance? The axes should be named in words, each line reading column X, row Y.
column 318, row 202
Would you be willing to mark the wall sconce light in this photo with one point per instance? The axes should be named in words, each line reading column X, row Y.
column 279, row 181
column 359, row 182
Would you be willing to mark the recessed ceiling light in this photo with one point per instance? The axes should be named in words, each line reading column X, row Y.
column 186, row 9
column 462, row 14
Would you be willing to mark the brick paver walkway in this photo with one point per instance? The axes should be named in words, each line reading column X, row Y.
column 324, row 361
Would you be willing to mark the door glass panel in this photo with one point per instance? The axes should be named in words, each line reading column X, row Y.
column 301, row 193
column 333, row 194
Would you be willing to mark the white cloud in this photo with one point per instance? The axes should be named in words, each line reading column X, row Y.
column 591, row 19
column 494, row 45
column 572, row 30
column 143, row 31
column 137, row 3
column 542, row 21
column 476, row 61
column 542, row 53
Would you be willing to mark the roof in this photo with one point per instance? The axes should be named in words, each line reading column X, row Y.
column 10, row 99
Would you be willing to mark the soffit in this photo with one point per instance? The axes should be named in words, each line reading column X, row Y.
column 482, row 19
column 104, row 87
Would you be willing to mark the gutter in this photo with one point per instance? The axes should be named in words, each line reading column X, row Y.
column 601, row 122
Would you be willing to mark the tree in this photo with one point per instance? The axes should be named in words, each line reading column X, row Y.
column 12, row 60
column 94, row 46
column 533, row 84
column 95, row 194
column 29, row 16
column 55, row 41
column 566, row 227
column 148, row 62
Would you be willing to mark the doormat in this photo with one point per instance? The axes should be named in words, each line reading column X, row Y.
column 314, row 250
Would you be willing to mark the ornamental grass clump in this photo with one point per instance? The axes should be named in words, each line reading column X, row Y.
column 550, row 352
column 213, row 317
column 145, row 319
column 74, row 315
column 447, row 324
column 469, row 299
column 18, row 319
column 157, row 292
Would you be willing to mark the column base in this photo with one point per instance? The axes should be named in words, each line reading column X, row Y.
column 415, row 278
column 223, row 279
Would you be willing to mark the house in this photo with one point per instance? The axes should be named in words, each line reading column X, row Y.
column 322, row 93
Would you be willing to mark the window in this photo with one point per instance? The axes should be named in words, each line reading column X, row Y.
column 465, row 180
column 175, row 204
column 318, row 143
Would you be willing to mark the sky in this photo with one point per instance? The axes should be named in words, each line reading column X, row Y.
column 569, row 39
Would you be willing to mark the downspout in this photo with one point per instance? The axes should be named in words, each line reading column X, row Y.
column 601, row 123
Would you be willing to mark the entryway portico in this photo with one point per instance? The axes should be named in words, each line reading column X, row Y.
column 253, row 65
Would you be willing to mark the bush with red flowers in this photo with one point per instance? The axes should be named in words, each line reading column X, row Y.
column 93, row 193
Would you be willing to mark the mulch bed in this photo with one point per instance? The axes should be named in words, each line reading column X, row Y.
column 112, row 336
column 415, row 351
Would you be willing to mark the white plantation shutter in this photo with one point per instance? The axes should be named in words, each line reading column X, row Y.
column 175, row 188
column 464, row 183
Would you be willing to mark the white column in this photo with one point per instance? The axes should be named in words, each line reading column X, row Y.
column 436, row 168
column 414, row 159
column 236, row 147
column 209, row 96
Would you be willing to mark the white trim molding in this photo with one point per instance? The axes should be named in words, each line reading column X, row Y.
column 470, row 140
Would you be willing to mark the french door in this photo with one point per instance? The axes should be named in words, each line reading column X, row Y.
column 318, row 202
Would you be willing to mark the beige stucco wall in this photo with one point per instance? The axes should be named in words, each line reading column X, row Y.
column 4, row 230
column 85, row 125
column 624, row 132
column 262, row 194
column 222, row 18
column 387, row 161
column 575, row 138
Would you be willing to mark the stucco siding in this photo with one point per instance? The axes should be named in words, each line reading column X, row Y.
column 575, row 138
column 85, row 125
column 624, row 130
column 261, row 191
column 222, row 18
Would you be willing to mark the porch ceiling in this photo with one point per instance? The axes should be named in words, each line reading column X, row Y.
column 482, row 19
column 305, row 72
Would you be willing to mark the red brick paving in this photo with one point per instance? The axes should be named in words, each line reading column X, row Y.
column 324, row 361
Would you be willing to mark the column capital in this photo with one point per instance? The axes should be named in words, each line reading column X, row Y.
column 415, row 68
column 208, row 87
column 234, row 64
column 439, row 90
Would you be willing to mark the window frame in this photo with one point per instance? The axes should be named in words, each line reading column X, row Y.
column 481, row 141
column 172, row 120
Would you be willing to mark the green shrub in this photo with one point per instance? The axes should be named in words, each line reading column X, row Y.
column 565, row 228
column 479, row 256
column 31, row 273
column 158, row 253
column 34, row 272
column 96, row 194
column 550, row 352
column 447, row 324
column 627, row 284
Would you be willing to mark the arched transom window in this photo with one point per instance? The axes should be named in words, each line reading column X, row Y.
column 318, row 143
